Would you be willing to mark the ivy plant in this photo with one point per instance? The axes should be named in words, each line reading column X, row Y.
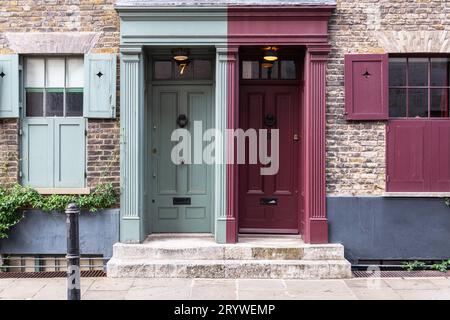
column 18, row 197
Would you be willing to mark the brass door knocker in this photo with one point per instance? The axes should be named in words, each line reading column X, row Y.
column 182, row 120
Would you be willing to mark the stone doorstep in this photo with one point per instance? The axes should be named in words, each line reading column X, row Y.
column 229, row 269
column 229, row 252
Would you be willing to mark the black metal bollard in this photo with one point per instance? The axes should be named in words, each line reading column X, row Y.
column 73, row 252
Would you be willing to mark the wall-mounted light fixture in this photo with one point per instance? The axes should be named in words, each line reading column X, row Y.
column 181, row 57
column 270, row 53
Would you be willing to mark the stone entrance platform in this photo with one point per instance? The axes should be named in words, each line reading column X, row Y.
column 254, row 257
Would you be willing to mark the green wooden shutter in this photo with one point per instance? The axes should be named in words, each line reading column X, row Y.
column 53, row 152
column 37, row 152
column 9, row 86
column 69, row 167
column 100, row 86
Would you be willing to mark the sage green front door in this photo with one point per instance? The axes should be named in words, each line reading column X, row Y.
column 181, row 192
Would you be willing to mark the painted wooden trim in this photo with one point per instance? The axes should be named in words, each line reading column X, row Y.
column 63, row 191
column 9, row 86
column 416, row 194
column 132, row 144
column 316, row 225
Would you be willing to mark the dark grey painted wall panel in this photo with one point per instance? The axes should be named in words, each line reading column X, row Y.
column 390, row 228
column 45, row 233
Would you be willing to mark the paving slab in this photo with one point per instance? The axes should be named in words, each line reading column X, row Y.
column 411, row 284
column 119, row 284
column 424, row 294
column 261, row 284
column 23, row 288
column 216, row 289
column 158, row 293
column 319, row 289
column 104, row 295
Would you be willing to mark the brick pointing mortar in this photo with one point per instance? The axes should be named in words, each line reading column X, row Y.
column 97, row 16
column 356, row 150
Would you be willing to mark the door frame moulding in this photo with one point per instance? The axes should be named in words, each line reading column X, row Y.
column 294, row 26
column 148, row 28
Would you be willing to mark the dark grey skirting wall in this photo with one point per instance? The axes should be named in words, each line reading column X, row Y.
column 390, row 228
column 45, row 233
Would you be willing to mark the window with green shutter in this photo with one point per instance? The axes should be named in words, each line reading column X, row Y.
column 53, row 127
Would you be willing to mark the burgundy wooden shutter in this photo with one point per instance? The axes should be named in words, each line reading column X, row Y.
column 366, row 86
column 408, row 156
column 440, row 156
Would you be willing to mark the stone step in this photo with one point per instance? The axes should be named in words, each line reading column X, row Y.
column 232, row 269
column 241, row 251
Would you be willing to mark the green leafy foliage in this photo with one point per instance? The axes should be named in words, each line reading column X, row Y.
column 415, row 265
column 442, row 267
column 19, row 197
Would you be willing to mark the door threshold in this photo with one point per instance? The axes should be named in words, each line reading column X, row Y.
column 272, row 236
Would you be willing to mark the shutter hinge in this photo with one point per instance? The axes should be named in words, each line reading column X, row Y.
column 387, row 178
column 20, row 132
column 85, row 174
column 85, row 133
column 20, row 174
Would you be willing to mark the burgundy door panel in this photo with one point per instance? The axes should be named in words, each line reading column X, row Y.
column 269, row 204
column 440, row 160
column 407, row 147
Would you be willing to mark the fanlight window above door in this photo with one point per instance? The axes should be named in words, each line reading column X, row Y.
column 197, row 69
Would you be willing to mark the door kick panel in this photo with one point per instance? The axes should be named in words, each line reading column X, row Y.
column 268, row 201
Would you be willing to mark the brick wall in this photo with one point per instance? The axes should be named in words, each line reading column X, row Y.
column 65, row 16
column 356, row 150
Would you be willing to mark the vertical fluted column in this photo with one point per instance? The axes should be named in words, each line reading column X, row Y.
column 316, row 224
column 225, row 118
column 132, row 144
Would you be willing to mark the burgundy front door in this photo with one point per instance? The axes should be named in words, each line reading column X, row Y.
column 269, row 203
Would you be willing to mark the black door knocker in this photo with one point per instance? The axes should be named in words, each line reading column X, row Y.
column 270, row 120
column 182, row 120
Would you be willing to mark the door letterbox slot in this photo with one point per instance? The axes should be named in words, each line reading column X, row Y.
column 269, row 201
column 181, row 201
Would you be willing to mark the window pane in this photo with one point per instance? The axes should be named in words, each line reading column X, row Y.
column 55, row 72
column 202, row 69
column 397, row 102
column 35, row 72
column 418, row 72
column 187, row 74
column 163, row 70
column 74, row 103
column 397, row 72
column 35, row 103
column 439, row 103
column 288, row 70
column 75, row 73
column 270, row 73
column 440, row 71
column 418, row 103
column 54, row 103
column 250, row 70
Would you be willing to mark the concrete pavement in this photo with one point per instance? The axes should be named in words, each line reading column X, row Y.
column 218, row 289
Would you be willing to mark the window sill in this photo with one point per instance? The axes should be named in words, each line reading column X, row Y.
column 416, row 194
column 63, row 191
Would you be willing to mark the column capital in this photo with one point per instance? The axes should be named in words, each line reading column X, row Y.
column 131, row 53
column 227, row 53
column 318, row 51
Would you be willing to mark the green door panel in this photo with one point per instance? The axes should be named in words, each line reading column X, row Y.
column 53, row 152
column 37, row 152
column 99, row 85
column 9, row 86
column 69, row 152
column 194, row 181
